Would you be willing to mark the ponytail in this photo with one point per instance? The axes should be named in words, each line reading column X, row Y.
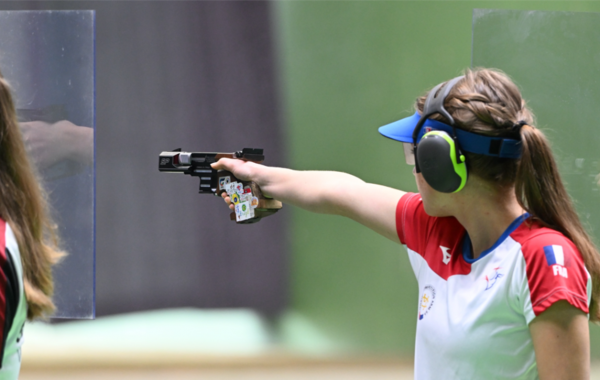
column 486, row 101
column 541, row 192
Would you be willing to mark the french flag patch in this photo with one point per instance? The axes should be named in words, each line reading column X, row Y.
column 554, row 255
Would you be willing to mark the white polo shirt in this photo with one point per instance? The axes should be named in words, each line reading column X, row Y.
column 473, row 315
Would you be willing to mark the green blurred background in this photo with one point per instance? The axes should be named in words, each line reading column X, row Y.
column 346, row 69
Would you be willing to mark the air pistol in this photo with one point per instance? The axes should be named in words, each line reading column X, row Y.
column 250, row 203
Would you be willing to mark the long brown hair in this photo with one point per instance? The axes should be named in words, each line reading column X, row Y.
column 488, row 102
column 23, row 206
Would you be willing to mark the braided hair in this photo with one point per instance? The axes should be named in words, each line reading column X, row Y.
column 486, row 101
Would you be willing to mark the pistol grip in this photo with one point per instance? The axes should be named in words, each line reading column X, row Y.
column 251, row 204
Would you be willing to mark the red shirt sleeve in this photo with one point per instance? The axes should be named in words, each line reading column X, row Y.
column 412, row 222
column 555, row 271
column 437, row 240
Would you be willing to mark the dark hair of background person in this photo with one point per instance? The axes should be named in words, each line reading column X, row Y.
column 23, row 205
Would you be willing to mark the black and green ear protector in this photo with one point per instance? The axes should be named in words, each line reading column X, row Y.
column 438, row 155
column 438, row 147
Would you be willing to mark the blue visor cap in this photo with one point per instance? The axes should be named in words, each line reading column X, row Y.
column 402, row 130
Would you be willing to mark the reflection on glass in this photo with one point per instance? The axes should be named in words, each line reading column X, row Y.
column 48, row 58
column 56, row 146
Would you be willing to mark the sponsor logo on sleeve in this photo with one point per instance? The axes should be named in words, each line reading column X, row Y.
column 555, row 257
column 426, row 301
column 446, row 256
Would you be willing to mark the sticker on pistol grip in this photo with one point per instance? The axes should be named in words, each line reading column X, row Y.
column 235, row 198
column 224, row 181
column 247, row 190
column 245, row 197
column 243, row 211
column 239, row 188
column 254, row 202
column 229, row 189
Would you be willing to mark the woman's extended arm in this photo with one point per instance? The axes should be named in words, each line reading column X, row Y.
column 324, row 192
column 561, row 342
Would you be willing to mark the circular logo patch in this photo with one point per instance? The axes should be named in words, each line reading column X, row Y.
column 426, row 301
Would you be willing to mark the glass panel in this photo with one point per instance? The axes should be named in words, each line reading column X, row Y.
column 554, row 57
column 48, row 58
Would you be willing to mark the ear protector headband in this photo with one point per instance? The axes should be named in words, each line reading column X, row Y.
column 439, row 156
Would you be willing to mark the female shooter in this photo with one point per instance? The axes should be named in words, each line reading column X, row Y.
column 507, row 274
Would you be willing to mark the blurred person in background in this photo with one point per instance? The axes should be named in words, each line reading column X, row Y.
column 28, row 241
column 507, row 275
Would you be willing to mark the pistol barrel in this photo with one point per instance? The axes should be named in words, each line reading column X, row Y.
column 181, row 162
column 175, row 162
